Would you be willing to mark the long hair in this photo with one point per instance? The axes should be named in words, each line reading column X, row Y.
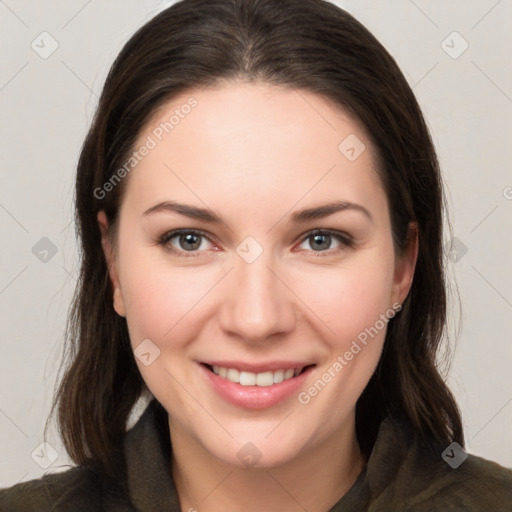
column 309, row 45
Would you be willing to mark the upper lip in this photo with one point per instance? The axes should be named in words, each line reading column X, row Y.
column 269, row 366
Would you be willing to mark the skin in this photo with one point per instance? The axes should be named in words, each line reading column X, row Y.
column 254, row 154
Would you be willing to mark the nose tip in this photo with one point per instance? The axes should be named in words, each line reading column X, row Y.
column 257, row 305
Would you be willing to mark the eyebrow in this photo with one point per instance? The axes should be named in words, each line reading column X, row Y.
column 300, row 217
column 319, row 212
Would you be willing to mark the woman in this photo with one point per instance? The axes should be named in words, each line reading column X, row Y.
column 260, row 210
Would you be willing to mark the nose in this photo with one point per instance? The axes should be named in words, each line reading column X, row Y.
column 257, row 305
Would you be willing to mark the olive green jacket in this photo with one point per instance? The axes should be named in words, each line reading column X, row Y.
column 399, row 476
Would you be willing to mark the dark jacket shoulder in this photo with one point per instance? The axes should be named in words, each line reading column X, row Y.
column 404, row 474
column 139, row 479
column 476, row 485
column 75, row 489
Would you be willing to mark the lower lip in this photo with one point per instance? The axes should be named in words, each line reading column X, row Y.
column 255, row 397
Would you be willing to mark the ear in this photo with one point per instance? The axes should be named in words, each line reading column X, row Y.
column 111, row 264
column 405, row 265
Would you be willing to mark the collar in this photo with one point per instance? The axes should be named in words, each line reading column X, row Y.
column 147, row 448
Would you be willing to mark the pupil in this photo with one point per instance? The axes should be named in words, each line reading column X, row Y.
column 322, row 238
column 189, row 239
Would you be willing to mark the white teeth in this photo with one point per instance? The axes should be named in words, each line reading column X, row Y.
column 233, row 375
column 246, row 379
column 288, row 374
column 278, row 376
column 255, row 379
column 264, row 379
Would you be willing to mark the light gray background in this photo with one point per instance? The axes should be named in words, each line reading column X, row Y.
column 47, row 106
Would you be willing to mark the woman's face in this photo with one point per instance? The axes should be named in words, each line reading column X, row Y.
column 263, row 281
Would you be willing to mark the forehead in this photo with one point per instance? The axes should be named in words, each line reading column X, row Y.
column 255, row 144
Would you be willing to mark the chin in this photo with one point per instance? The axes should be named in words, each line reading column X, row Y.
column 256, row 449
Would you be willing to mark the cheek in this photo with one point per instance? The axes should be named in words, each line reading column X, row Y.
column 166, row 306
column 349, row 298
column 161, row 300
column 352, row 301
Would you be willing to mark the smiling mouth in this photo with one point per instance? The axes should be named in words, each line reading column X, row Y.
column 263, row 379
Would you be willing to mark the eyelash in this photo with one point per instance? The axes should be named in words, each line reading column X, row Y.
column 346, row 241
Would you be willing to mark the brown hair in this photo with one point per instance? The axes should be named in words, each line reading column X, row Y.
column 304, row 44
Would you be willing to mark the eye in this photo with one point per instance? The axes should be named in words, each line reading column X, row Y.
column 183, row 241
column 190, row 242
column 320, row 241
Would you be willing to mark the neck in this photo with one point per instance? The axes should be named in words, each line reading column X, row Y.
column 315, row 480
